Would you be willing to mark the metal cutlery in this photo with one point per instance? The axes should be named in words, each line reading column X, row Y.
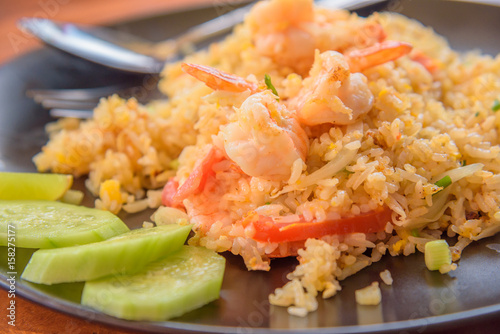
column 105, row 46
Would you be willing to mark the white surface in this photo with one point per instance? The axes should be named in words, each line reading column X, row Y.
column 493, row 2
column 349, row 4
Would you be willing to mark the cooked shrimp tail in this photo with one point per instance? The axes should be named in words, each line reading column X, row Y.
column 378, row 54
column 281, row 30
column 173, row 194
column 331, row 94
column 432, row 65
column 219, row 80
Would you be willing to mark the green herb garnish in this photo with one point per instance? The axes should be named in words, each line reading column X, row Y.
column 477, row 114
column 415, row 233
column 444, row 182
column 174, row 164
column 437, row 253
column 344, row 170
column 496, row 106
column 269, row 84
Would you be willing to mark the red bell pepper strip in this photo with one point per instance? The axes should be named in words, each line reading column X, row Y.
column 266, row 230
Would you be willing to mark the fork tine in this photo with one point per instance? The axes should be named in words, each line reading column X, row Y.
column 86, row 94
column 71, row 113
column 79, row 103
column 68, row 104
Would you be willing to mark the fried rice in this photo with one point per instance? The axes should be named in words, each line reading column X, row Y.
column 433, row 115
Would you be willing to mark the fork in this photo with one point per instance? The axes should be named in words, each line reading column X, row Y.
column 79, row 103
column 125, row 52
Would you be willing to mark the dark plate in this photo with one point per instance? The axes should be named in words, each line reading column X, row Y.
column 418, row 300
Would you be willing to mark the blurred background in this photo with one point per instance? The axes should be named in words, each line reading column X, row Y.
column 13, row 42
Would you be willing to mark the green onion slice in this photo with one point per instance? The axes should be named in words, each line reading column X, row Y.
column 269, row 84
column 437, row 253
column 496, row 106
column 74, row 197
column 444, row 182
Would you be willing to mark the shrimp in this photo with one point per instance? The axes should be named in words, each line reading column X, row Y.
column 378, row 54
column 173, row 195
column 431, row 65
column 289, row 32
column 219, row 80
column 333, row 93
column 281, row 30
column 201, row 193
column 266, row 139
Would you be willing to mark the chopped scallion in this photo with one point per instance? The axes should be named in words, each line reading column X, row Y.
column 437, row 253
column 74, row 197
column 444, row 182
column 269, row 84
column 496, row 105
column 344, row 170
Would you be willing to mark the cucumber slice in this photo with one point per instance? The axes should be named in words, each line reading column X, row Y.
column 33, row 186
column 125, row 253
column 48, row 224
column 167, row 288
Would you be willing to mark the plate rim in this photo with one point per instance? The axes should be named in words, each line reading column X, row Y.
column 82, row 312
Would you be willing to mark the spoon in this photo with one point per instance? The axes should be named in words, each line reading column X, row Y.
column 106, row 46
